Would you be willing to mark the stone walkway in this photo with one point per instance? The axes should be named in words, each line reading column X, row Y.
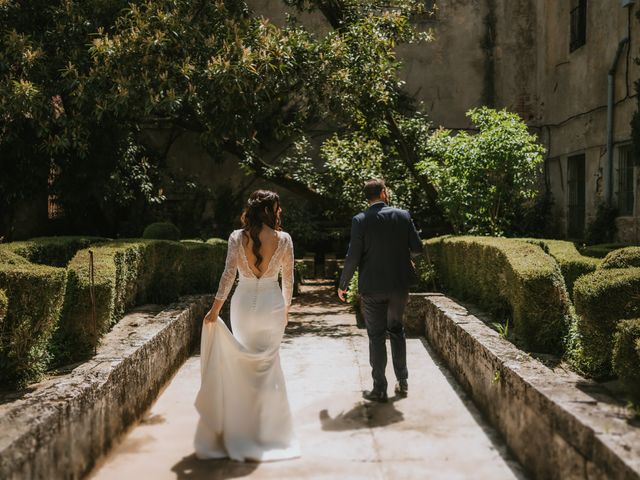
column 435, row 433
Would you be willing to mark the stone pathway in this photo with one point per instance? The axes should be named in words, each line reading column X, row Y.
column 435, row 433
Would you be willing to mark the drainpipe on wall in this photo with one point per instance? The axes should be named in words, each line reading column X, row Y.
column 611, row 78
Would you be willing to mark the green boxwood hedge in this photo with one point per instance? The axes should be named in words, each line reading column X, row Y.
column 626, row 355
column 602, row 299
column 33, row 296
column 202, row 266
column 128, row 273
column 622, row 258
column 508, row 277
column 7, row 257
column 600, row 250
column 53, row 251
column 571, row 262
column 116, row 271
column 4, row 302
column 161, row 231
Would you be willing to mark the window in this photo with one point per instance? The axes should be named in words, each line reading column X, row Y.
column 578, row 25
column 625, row 181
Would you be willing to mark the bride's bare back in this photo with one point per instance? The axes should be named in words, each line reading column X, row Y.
column 269, row 243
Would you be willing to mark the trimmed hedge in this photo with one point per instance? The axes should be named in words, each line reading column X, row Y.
column 202, row 267
column 622, row 258
column 7, row 257
column 53, row 251
column 600, row 250
column 571, row 262
column 128, row 273
column 161, row 231
column 602, row 299
column 4, row 302
column 508, row 277
column 33, row 301
column 116, row 271
column 626, row 355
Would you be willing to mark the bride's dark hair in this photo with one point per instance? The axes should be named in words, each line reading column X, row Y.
column 262, row 209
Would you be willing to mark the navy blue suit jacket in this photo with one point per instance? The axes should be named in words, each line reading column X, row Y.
column 382, row 240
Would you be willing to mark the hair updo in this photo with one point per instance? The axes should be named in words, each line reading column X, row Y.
column 261, row 209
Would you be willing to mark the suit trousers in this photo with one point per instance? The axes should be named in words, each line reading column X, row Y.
column 383, row 314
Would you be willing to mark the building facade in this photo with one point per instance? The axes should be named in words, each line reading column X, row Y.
column 566, row 66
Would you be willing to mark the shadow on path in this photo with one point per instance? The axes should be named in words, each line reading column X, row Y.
column 191, row 468
column 362, row 415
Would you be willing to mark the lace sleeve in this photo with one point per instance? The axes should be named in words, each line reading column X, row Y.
column 230, row 268
column 287, row 270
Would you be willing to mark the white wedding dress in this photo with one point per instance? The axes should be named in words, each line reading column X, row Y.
column 242, row 402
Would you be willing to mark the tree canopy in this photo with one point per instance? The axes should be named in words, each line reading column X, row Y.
column 82, row 81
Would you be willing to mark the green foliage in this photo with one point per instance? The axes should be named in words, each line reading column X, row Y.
column 161, row 231
column 300, row 271
column 129, row 273
column 512, row 279
column 602, row 228
column 53, row 251
column 600, row 250
column 352, row 296
column 202, row 266
column 626, row 356
column 7, row 257
column 242, row 85
column 484, row 179
column 602, row 299
column 32, row 301
column 116, row 269
column 502, row 328
column 572, row 263
column 622, row 258
column 4, row 302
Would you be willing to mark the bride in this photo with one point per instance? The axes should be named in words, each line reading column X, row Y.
column 242, row 402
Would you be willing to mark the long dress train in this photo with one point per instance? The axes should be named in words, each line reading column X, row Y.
column 242, row 402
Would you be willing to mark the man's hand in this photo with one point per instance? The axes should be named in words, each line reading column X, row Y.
column 211, row 316
column 341, row 294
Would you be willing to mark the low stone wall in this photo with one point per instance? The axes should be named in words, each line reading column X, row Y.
column 558, row 424
column 60, row 427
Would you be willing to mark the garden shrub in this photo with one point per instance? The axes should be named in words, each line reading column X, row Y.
column 508, row 277
column 571, row 262
column 3, row 305
column 128, row 273
column 600, row 250
column 54, row 251
column 161, row 276
column 32, row 298
column 161, row 231
column 626, row 355
column 117, row 269
column 202, row 266
column 602, row 227
column 622, row 258
column 602, row 299
column 7, row 257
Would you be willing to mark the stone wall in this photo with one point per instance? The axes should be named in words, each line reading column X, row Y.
column 558, row 424
column 61, row 427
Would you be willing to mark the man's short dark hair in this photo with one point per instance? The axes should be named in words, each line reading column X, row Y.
column 373, row 188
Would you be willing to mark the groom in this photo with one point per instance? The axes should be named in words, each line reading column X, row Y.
column 382, row 240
